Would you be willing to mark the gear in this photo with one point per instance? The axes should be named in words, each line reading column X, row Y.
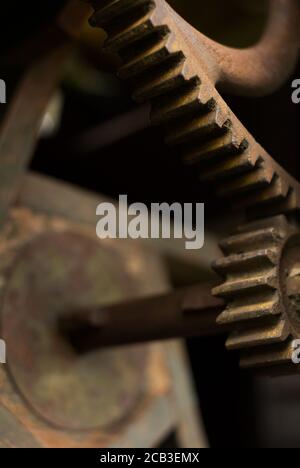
column 262, row 279
column 159, row 58
column 169, row 64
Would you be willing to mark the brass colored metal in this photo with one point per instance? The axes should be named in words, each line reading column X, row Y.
column 184, row 313
column 261, row 269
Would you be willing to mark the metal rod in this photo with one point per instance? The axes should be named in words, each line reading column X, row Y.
column 186, row 312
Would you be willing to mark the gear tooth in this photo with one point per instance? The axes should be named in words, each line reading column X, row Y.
column 256, row 179
column 276, row 191
column 238, row 263
column 245, row 242
column 188, row 100
column 243, row 285
column 200, row 127
column 236, row 165
column 260, row 335
column 278, row 224
column 154, row 52
column 114, row 9
column 250, row 309
column 167, row 78
column 268, row 356
column 286, row 205
column 221, row 147
column 128, row 34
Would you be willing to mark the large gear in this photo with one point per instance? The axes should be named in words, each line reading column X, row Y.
column 161, row 59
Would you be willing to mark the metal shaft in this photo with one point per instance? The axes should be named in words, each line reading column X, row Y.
column 184, row 313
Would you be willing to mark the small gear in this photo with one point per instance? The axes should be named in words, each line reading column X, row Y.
column 262, row 278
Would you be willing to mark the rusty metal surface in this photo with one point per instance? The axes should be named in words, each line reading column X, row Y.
column 261, row 269
column 254, row 71
column 59, row 392
column 51, row 273
column 33, row 94
column 191, row 430
column 186, row 312
column 179, row 70
column 164, row 67
column 21, row 124
column 13, row 434
column 41, row 407
column 264, row 67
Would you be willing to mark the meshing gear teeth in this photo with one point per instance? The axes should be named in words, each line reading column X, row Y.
column 261, row 270
column 158, row 60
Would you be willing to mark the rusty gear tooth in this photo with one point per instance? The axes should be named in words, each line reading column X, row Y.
column 154, row 52
column 262, row 238
column 260, row 335
column 246, row 285
column 132, row 34
column 250, row 308
column 169, row 77
column 134, row 29
column 257, row 178
column 276, row 191
column 289, row 204
column 234, row 170
column 269, row 357
column 201, row 127
column 277, row 224
column 109, row 10
column 188, row 100
column 229, row 168
column 239, row 263
column 216, row 150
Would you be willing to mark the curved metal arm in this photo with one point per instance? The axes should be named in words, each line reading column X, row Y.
column 258, row 70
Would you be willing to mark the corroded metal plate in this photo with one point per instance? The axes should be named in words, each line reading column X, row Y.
column 51, row 274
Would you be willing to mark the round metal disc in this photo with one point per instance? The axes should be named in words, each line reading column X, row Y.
column 53, row 274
